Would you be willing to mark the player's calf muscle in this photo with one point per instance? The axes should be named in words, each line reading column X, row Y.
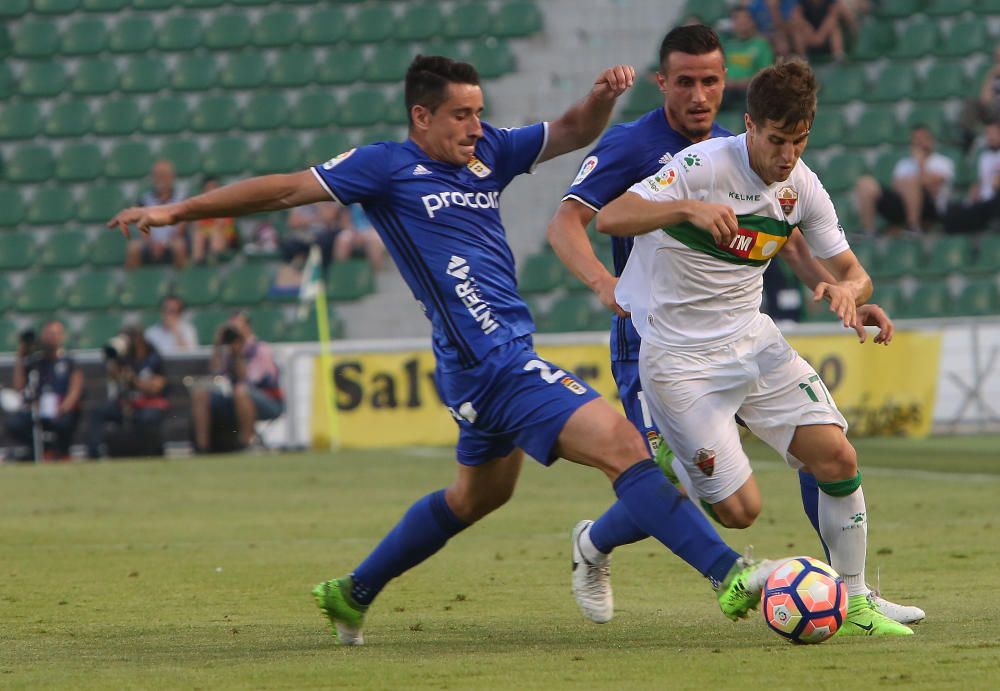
column 825, row 451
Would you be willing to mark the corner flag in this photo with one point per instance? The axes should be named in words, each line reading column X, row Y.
column 323, row 423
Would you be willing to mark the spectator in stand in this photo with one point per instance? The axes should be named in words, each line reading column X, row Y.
column 251, row 389
column 213, row 237
column 921, row 187
column 746, row 53
column 983, row 202
column 773, row 19
column 52, row 386
column 818, row 27
column 358, row 235
column 315, row 224
column 985, row 106
column 165, row 244
column 173, row 333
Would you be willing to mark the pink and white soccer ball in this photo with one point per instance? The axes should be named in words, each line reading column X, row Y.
column 804, row 600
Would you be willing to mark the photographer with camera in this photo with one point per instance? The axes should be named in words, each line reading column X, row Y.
column 246, row 388
column 130, row 422
column 51, row 386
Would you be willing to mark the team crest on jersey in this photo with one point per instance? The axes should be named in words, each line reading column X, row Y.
column 705, row 460
column 478, row 168
column 573, row 385
column 337, row 160
column 690, row 161
column 586, row 169
column 666, row 158
column 787, row 196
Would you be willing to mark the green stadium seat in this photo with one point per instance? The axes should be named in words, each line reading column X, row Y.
column 214, row 114
column 516, row 19
column 395, row 111
column 341, row 65
column 227, row 31
column 35, row 38
column 294, row 67
column 896, row 81
column 383, row 134
column 40, row 292
column 885, row 163
column 540, row 273
column 888, row 295
column 279, row 154
column 94, row 290
column 204, row 4
column 96, row 330
column 327, row 145
column 85, row 36
column 944, row 79
column 966, row 37
column 419, row 22
column 141, row 288
column 144, row 75
column 226, row 156
column 244, row 71
column 987, row 255
column 929, row 114
column 165, row 115
column 978, row 297
column 100, row 203
column 899, row 257
column 153, row 4
column 43, row 79
column 315, row 109
column 198, row 285
column 11, row 207
column 95, row 76
column 116, row 117
column 828, row 128
column 104, row 5
column 919, row 38
column 17, row 250
column 64, row 249
column 948, row 254
column 129, row 160
column 268, row 322
column 245, row 285
column 51, row 206
column 988, row 7
column 8, row 82
column 876, row 125
column 898, row 9
column 468, row 20
column 842, row 171
column 646, row 95
column 568, row 313
column 206, row 322
column 19, row 120
column 876, row 39
column 264, row 111
column 9, row 330
column 185, row 154
column 350, row 280
column 70, row 119
column 450, row 48
column 194, row 72
column 12, row 9
column 30, row 163
column 249, row 3
column 492, row 58
column 108, row 249
column 842, row 85
column 388, row 63
column 930, row 299
column 55, row 6
column 132, row 34
column 276, row 29
column 362, row 107
column 323, row 27
column 179, row 33
column 371, row 24
column 945, row 8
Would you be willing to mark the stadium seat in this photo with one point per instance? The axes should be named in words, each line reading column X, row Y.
column 96, row 330
column 279, row 154
column 9, row 330
column 314, row 109
column 362, row 107
column 419, row 22
column 844, row 84
column 43, row 79
column 204, row 4
column 244, row 71
column 165, row 115
column 12, row 9
column 19, row 120
column 276, row 29
column 264, row 111
column 876, row 125
column 227, row 31
column 103, row 5
column 350, row 280
column 382, row 134
column 117, row 117
column 388, row 63
column 966, row 37
column 198, row 285
column 129, row 160
column 132, row 34
column 216, row 113
column 54, row 6
column 978, row 297
column 294, row 67
column 876, row 39
column 85, row 36
column 268, row 323
column 8, row 82
column 194, row 72
column 568, row 313
column 185, row 154
column 516, row 19
column 896, row 81
column 341, row 65
column 245, row 285
column 888, row 295
column 40, row 292
column 945, row 8
column 93, row 290
column 371, row 24
column 450, row 48
column 323, row 27
column 30, row 163
column 94, row 76
column 100, row 203
column 141, row 288
column 395, row 110
column 179, row 32
column 144, row 75
column 63, row 249
column 899, row 257
column 226, row 156
column 11, row 207
column 919, row 38
column 69, row 119
column 107, row 249
column 35, row 38
column 898, row 9
column 827, row 130
column 468, row 20
column 930, row 115
column 930, row 299
column 207, row 321
column 325, row 146
column 645, row 96
column 17, row 249
column 842, row 171
column 540, row 273
column 249, row 3
column 153, row 4
column 885, row 163
column 492, row 58
column 948, row 254
column 51, row 206
column 944, row 79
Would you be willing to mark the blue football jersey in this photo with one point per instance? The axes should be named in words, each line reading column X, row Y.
column 627, row 153
column 441, row 224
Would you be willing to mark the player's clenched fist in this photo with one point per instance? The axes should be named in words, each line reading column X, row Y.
column 143, row 217
column 614, row 81
column 717, row 219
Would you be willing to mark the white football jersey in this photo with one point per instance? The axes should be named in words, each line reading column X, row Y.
column 684, row 290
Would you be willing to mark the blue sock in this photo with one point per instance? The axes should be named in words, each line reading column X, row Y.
column 657, row 508
column 615, row 528
column 810, row 503
column 421, row 532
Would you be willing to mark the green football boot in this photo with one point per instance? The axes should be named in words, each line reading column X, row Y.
column 664, row 458
column 865, row 619
column 740, row 592
column 347, row 617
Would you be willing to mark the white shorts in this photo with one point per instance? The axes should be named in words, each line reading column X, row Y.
column 693, row 396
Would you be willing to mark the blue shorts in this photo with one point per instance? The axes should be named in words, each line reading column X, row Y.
column 514, row 398
column 626, row 374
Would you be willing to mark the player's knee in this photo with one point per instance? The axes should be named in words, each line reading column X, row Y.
column 738, row 516
column 472, row 507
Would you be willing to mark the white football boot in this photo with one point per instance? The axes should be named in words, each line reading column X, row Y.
column 591, row 582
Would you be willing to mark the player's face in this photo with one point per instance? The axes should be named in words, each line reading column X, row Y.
column 451, row 131
column 774, row 150
column 692, row 88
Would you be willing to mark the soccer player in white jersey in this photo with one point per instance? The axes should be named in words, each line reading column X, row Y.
column 706, row 226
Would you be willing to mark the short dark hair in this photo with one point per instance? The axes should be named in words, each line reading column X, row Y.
column 784, row 94
column 428, row 77
column 693, row 39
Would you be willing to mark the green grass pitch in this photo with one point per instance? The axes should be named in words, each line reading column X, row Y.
column 196, row 574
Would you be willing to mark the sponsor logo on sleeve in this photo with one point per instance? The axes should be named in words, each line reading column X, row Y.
column 337, row 160
column 665, row 178
column 690, row 161
column 586, row 169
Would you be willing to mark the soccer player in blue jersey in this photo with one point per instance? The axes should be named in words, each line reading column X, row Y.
column 692, row 79
column 434, row 200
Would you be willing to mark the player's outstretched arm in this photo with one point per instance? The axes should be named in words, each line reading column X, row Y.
column 586, row 119
column 853, row 286
column 265, row 193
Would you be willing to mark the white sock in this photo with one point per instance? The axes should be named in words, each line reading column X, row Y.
column 587, row 549
column 843, row 524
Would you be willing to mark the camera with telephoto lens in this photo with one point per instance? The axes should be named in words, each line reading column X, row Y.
column 230, row 334
column 116, row 348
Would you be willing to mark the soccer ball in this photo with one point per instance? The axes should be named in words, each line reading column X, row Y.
column 804, row 600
